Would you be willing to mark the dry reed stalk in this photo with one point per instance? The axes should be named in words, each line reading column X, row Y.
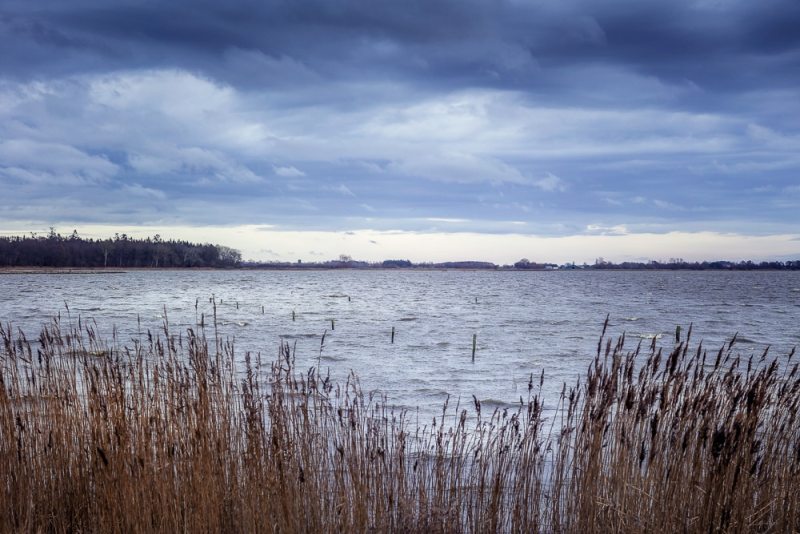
column 175, row 434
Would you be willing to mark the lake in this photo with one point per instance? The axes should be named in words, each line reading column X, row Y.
column 525, row 322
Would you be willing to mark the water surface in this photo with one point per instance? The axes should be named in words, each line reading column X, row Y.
column 524, row 321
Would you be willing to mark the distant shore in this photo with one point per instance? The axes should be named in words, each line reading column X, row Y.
column 63, row 270
column 18, row 270
column 57, row 254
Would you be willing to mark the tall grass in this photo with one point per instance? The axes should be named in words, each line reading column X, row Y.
column 171, row 434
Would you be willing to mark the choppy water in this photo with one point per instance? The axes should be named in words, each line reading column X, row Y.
column 524, row 321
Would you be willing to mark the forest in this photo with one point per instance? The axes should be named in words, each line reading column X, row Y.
column 121, row 251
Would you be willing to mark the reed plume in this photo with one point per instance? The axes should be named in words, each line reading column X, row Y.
column 178, row 433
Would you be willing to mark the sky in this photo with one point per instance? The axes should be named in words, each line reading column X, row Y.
column 430, row 130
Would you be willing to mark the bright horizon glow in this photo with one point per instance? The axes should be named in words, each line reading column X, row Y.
column 265, row 244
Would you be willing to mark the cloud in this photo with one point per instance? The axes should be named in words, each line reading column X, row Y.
column 190, row 109
column 562, row 115
column 665, row 205
column 598, row 229
column 40, row 162
column 202, row 165
column 458, row 167
column 146, row 192
column 268, row 253
column 446, row 220
column 727, row 43
column 445, row 155
column 550, row 183
column 343, row 190
column 288, row 171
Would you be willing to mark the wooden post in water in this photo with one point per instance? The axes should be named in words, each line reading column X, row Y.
column 292, row 315
column 392, row 335
column 333, row 326
column 474, row 345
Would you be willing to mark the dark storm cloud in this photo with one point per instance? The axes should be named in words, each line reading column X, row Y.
column 721, row 45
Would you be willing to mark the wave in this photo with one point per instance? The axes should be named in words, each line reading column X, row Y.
column 650, row 336
column 299, row 336
column 497, row 403
column 432, row 391
column 237, row 323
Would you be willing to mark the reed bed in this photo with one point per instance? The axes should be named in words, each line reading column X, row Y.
column 173, row 433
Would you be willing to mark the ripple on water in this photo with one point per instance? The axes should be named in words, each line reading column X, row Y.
column 524, row 325
column 432, row 392
column 645, row 335
column 235, row 323
column 327, row 358
column 300, row 336
column 498, row 404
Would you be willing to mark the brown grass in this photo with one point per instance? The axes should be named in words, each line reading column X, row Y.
column 170, row 434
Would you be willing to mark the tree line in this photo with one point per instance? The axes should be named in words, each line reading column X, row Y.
column 55, row 250
column 527, row 265
column 681, row 265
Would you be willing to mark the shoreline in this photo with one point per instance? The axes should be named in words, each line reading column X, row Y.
column 61, row 270
column 124, row 270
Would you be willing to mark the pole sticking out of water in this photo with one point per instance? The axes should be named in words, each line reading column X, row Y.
column 333, row 326
column 474, row 345
column 392, row 335
column 293, row 316
column 262, row 310
column 678, row 334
